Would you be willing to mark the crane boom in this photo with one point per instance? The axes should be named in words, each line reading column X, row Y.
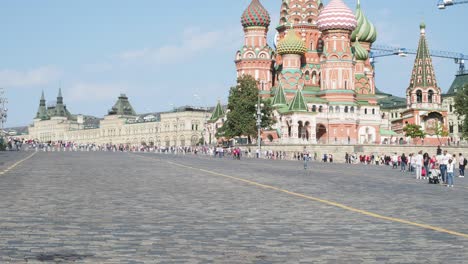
column 442, row 4
column 384, row 51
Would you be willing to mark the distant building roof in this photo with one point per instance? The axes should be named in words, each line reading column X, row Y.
column 460, row 81
column 392, row 102
column 122, row 107
column 23, row 130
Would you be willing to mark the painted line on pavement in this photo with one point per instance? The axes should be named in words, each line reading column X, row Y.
column 14, row 165
column 323, row 201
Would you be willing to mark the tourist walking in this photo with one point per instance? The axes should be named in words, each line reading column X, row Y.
column 419, row 163
column 395, row 161
column 306, row 159
column 462, row 162
column 404, row 161
column 443, row 161
column 450, row 169
column 426, row 161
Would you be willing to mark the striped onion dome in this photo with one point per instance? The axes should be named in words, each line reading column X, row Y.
column 360, row 53
column 336, row 15
column 365, row 29
column 291, row 44
column 255, row 15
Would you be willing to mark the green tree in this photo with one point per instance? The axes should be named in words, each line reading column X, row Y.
column 440, row 131
column 414, row 131
column 240, row 119
column 461, row 108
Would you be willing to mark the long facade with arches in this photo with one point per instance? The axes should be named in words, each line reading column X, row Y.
column 181, row 127
column 318, row 75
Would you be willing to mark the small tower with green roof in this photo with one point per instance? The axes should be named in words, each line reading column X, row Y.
column 42, row 110
column 60, row 110
column 423, row 91
column 298, row 103
column 217, row 113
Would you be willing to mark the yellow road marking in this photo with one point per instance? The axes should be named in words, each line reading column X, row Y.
column 331, row 203
column 16, row 164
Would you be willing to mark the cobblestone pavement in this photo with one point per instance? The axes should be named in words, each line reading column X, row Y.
column 143, row 208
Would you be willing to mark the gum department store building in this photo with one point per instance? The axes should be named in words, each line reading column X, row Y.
column 319, row 77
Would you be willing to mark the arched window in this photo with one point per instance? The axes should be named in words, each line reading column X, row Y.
column 312, row 42
column 307, row 75
column 365, row 111
column 320, row 109
column 419, row 96
column 373, row 111
column 314, row 77
column 314, row 108
column 346, row 109
column 430, row 97
column 352, row 109
column 337, row 109
column 330, row 109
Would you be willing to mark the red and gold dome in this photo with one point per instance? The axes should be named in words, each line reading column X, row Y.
column 336, row 15
column 255, row 15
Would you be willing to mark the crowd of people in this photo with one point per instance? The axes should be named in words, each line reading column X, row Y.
column 442, row 167
column 439, row 168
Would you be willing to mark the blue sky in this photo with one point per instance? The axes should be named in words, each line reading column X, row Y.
column 162, row 53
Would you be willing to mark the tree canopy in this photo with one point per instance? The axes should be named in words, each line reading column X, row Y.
column 414, row 131
column 241, row 119
column 461, row 108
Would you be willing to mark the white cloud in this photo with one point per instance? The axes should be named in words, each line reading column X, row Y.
column 94, row 92
column 193, row 41
column 98, row 67
column 34, row 77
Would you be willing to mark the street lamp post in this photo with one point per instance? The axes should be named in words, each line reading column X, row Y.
column 259, row 116
column 3, row 115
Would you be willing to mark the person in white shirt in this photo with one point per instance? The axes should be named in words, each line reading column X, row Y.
column 419, row 163
column 395, row 161
column 461, row 165
column 450, row 169
column 443, row 165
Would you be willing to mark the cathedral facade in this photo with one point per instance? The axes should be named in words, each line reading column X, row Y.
column 319, row 76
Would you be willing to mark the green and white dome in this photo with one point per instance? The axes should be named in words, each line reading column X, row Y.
column 360, row 53
column 365, row 30
column 291, row 44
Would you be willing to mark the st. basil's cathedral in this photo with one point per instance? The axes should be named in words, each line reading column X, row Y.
column 320, row 78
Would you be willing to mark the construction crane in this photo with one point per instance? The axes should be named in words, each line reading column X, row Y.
column 442, row 4
column 384, row 51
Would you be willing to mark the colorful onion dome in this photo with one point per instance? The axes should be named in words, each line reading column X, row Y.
column 291, row 44
column 365, row 29
column 336, row 15
column 255, row 15
column 360, row 53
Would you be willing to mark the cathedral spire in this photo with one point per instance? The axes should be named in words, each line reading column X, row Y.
column 423, row 75
column 298, row 103
column 217, row 113
column 42, row 110
column 60, row 97
column 279, row 98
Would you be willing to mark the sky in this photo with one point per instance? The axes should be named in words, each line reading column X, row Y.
column 164, row 54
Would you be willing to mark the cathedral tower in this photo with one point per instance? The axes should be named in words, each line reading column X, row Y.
column 302, row 16
column 60, row 107
column 42, row 110
column 337, row 22
column 255, row 57
column 423, row 96
column 363, row 37
column 423, row 92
